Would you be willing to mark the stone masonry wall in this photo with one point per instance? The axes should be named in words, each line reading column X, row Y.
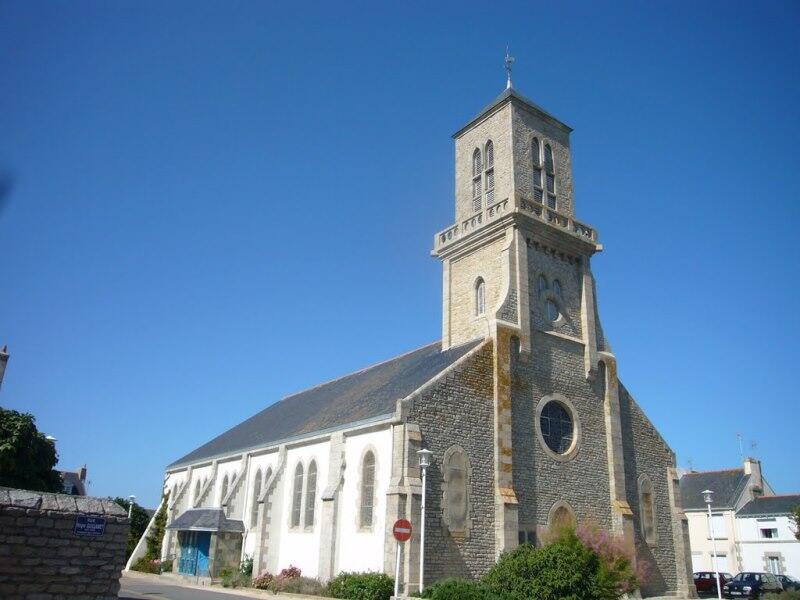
column 646, row 453
column 459, row 411
column 42, row 558
column 555, row 366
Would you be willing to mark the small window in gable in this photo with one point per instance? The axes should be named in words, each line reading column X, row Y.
column 297, row 495
column 480, row 297
column 367, row 489
column 541, row 284
column 311, row 493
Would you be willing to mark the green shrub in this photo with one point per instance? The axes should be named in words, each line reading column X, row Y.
column 146, row 565
column 231, row 578
column 166, row 565
column 296, row 585
column 788, row 595
column 565, row 569
column 458, row 589
column 361, row 586
column 246, row 566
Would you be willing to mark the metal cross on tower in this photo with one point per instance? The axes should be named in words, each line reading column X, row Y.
column 509, row 64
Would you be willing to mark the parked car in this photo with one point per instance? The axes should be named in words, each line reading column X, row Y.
column 789, row 583
column 705, row 583
column 752, row 585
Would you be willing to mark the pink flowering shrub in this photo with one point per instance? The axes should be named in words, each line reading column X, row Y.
column 263, row 581
column 290, row 572
column 617, row 558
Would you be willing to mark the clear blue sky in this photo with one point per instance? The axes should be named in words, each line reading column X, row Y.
column 215, row 204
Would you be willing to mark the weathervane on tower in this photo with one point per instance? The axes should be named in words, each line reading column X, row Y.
column 509, row 63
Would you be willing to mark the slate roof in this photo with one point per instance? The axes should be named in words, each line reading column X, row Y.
column 769, row 505
column 727, row 486
column 506, row 95
column 205, row 519
column 369, row 394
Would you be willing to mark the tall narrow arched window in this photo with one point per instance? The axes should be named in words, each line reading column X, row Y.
column 541, row 284
column 196, row 500
column 561, row 515
column 647, row 509
column 557, row 289
column 477, row 172
column 311, row 493
column 480, row 296
column 256, row 494
column 223, row 490
column 297, row 495
column 367, row 489
column 455, row 471
column 489, row 177
column 550, row 176
column 536, row 160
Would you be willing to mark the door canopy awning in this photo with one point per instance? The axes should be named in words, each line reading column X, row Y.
column 206, row 519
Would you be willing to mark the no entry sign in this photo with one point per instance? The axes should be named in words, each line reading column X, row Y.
column 402, row 530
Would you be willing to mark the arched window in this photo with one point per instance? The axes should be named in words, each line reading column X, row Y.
column 311, row 493
column 489, row 173
column 541, row 284
column 550, row 175
column 561, row 515
column 480, row 296
column 367, row 489
column 477, row 171
column 297, row 495
column 647, row 509
column 557, row 290
column 536, row 160
column 552, row 310
column 256, row 494
column 223, row 491
column 197, row 493
column 455, row 470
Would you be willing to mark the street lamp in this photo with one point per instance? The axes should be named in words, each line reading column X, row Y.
column 424, row 463
column 131, row 498
column 708, row 496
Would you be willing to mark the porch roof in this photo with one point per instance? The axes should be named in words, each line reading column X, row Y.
column 206, row 519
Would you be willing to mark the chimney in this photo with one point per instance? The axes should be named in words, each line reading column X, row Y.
column 82, row 473
column 752, row 467
column 3, row 360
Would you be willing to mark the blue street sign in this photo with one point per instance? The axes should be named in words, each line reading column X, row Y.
column 90, row 526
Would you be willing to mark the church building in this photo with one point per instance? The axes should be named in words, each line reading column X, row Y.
column 520, row 405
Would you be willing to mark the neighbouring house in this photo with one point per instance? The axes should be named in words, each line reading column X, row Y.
column 733, row 489
column 519, row 402
column 766, row 535
column 74, row 481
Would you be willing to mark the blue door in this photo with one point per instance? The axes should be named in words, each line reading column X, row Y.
column 188, row 560
column 203, row 545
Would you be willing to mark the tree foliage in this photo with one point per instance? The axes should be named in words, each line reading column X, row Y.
column 27, row 458
column 794, row 517
column 156, row 536
column 139, row 521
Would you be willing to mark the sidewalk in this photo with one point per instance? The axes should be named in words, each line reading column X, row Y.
column 242, row 592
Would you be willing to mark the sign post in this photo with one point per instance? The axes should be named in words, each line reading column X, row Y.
column 402, row 533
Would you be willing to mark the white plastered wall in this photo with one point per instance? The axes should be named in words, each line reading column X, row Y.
column 754, row 548
column 362, row 549
column 299, row 546
column 259, row 463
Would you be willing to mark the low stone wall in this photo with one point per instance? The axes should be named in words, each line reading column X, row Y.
column 54, row 546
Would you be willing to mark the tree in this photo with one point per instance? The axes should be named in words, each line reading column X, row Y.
column 27, row 457
column 794, row 517
column 139, row 521
column 156, row 536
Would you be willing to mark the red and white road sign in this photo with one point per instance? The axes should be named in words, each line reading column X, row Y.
column 402, row 530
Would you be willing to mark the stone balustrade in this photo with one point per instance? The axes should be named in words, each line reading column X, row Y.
column 503, row 207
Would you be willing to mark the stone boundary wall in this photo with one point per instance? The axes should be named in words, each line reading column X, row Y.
column 47, row 552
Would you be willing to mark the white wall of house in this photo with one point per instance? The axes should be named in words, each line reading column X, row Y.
column 757, row 547
column 361, row 549
column 728, row 559
column 299, row 546
column 230, row 468
column 199, row 475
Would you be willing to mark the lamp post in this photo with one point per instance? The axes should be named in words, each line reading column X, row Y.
column 708, row 496
column 131, row 498
column 424, row 463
